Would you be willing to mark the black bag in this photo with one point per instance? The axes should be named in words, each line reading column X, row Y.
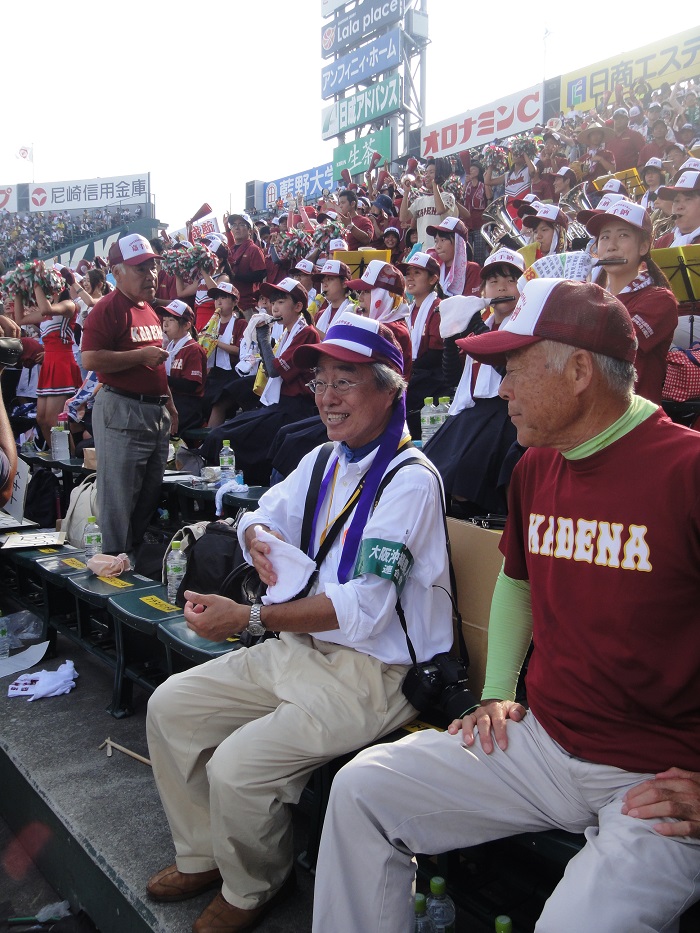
column 210, row 559
column 43, row 502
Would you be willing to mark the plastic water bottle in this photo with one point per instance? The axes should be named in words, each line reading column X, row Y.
column 60, row 445
column 443, row 408
column 428, row 420
column 92, row 538
column 423, row 922
column 227, row 462
column 176, row 566
column 441, row 909
column 503, row 924
column 4, row 638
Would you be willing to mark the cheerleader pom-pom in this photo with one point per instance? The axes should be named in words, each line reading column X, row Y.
column 454, row 186
column 495, row 158
column 173, row 262
column 294, row 245
column 20, row 281
column 523, row 145
column 200, row 259
column 324, row 233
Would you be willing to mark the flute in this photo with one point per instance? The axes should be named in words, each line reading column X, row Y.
column 501, row 300
column 610, row 262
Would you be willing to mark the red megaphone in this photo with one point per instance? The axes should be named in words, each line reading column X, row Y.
column 376, row 159
column 411, row 166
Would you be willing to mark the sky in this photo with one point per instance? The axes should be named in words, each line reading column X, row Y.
column 209, row 96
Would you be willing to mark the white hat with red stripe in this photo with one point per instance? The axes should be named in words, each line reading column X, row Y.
column 687, row 183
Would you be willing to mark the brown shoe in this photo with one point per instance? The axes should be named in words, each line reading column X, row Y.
column 173, row 885
column 222, row 917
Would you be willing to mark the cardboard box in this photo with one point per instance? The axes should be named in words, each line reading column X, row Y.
column 477, row 562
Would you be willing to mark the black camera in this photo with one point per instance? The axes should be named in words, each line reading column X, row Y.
column 441, row 682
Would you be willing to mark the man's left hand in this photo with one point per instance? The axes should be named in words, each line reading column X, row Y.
column 213, row 617
column 674, row 793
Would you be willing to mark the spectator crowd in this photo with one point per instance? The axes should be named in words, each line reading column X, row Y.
column 41, row 234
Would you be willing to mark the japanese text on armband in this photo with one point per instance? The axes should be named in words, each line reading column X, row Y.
column 386, row 559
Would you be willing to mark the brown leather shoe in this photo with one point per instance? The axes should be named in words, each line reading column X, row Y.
column 222, row 917
column 173, row 885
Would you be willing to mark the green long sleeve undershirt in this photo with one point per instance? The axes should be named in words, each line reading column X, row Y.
column 510, row 621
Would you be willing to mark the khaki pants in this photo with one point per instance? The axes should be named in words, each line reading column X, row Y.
column 234, row 741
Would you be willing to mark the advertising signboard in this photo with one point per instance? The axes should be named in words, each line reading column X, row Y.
column 381, row 54
column 377, row 100
column 89, row 193
column 309, row 183
column 356, row 156
column 353, row 28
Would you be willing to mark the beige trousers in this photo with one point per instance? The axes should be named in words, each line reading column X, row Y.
column 234, row 741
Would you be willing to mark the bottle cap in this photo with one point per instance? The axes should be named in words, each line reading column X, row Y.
column 438, row 885
column 419, row 904
column 428, row 401
column 175, row 545
column 504, row 924
column 445, row 399
column 91, row 520
column 227, row 443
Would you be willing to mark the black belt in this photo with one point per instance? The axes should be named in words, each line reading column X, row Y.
column 149, row 399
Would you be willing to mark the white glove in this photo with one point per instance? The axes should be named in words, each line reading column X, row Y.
column 45, row 683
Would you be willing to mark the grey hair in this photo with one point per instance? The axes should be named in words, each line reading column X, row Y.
column 388, row 379
column 117, row 269
column 618, row 375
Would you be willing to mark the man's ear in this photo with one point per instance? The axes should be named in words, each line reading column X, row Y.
column 581, row 369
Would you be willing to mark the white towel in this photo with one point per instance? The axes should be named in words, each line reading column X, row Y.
column 45, row 683
column 292, row 568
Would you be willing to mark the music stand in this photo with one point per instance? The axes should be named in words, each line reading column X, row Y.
column 681, row 265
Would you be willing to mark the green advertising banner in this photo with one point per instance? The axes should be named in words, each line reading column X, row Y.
column 368, row 105
column 356, row 156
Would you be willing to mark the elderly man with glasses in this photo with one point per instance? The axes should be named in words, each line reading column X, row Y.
column 234, row 741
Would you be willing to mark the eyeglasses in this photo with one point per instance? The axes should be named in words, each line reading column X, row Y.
column 341, row 386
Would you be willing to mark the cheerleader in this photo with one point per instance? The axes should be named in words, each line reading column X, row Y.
column 60, row 375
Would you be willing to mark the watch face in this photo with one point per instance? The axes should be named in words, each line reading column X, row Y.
column 256, row 628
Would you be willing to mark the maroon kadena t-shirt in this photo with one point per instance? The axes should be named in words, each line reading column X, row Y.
column 116, row 323
column 611, row 547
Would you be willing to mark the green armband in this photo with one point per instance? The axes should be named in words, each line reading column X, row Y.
column 386, row 559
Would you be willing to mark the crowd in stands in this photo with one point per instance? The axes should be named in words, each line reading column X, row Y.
column 41, row 234
column 445, row 253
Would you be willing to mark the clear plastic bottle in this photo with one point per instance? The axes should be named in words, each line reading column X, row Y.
column 227, row 462
column 4, row 638
column 503, row 924
column 92, row 538
column 176, row 566
column 443, row 408
column 60, row 443
column 428, row 420
column 423, row 922
column 441, row 909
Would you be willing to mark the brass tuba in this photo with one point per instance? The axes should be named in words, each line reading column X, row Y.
column 576, row 200
column 661, row 223
column 497, row 223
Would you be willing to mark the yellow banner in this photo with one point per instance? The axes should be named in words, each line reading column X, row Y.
column 667, row 60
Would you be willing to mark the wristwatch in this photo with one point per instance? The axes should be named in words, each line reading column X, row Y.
column 255, row 626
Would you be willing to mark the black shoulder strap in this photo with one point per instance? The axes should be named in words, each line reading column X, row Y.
column 322, row 459
column 453, row 580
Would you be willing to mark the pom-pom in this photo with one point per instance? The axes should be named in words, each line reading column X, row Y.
column 495, row 158
column 324, row 233
column 21, row 280
column 454, row 186
column 293, row 245
column 523, row 145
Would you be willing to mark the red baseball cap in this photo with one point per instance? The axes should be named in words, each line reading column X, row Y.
column 548, row 212
column 421, row 261
column 287, row 286
column 177, row 309
column 449, row 226
column 224, row 290
column 336, row 268
column 687, row 183
column 628, row 211
column 580, row 314
column 131, row 250
column 379, row 274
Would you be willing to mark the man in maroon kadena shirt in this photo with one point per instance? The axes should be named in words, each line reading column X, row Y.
column 602, row 573
column 134, row 413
